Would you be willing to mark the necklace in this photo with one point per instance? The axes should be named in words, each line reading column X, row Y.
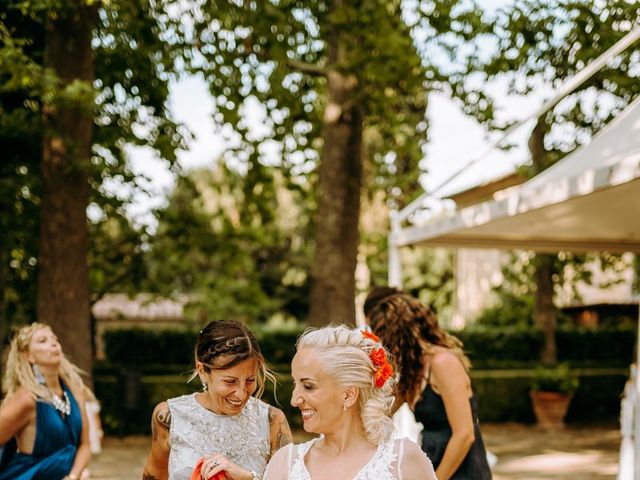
column 63, row 406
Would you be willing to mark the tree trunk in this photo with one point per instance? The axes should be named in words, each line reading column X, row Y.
column 336, row 226
column 544, row 312
column 63, row 280
column 4, row 320
column 333, row 288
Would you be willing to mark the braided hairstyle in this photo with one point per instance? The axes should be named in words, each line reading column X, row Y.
column 222, row 344
column 344, row 354
column 410, row 329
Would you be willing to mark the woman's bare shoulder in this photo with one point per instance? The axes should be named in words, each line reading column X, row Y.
column 445, row 359
column 21, row 402
column 415, row 463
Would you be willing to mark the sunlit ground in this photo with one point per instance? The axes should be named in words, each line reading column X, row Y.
column 524, row 452
column 576, row 453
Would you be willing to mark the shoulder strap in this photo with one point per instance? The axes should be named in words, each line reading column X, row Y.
column 289, row 457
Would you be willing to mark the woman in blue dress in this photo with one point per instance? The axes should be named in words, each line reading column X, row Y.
column 43, row 424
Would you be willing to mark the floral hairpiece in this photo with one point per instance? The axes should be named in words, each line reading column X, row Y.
column 378, row 357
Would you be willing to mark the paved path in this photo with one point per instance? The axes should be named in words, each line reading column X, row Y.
column 524, row 452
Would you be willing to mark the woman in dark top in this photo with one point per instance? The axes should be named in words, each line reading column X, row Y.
column 434, row 381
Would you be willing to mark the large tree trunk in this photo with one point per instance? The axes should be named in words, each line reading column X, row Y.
column 336, row 226
column 544, row 311
column 63, row 281
column 333, row 288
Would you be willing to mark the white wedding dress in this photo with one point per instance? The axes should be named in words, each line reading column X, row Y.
column 385, row 464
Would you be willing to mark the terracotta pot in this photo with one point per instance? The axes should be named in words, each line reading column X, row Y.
column 550, row 408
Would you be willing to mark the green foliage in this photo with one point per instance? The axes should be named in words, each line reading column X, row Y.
column 139, row 347
column 557, row 378
column 598, row 347
column 549, row 41
column 515, row 293
column 486, row 345
column 503, row 396
column 428, row 275
column 234, row 251
column 134, row 64
column 510, row 310
column 544, row 43
column 147, row 349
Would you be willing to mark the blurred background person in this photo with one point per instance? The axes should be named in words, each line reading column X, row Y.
column 343, row 388
column 434, row 381
column 42, row 418
column 226, row 424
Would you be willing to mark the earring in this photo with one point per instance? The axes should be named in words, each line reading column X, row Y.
column 38, row 374
column 344, row 406
column 205, row 387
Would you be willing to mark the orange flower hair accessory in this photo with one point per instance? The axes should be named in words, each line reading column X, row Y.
column 370, row 335
column 384, row 369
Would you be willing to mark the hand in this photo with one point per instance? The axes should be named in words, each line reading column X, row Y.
column 219, row 467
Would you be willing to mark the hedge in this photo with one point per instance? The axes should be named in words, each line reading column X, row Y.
column 128, row 397
column 146, row 367
column 487, row 347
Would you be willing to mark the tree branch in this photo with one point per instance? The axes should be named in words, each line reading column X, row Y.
column 307, row 68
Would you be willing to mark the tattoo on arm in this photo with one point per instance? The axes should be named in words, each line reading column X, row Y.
column 163, row 418
column 283, row 436
column 148, row 476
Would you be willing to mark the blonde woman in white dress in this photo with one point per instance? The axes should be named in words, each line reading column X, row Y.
column 343, row 388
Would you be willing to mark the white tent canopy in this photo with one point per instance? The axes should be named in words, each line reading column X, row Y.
column 588, row 201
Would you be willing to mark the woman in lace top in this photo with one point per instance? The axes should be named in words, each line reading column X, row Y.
column 343, row 388
column 226, row 424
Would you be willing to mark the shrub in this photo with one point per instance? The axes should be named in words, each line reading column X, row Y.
column 558, row 378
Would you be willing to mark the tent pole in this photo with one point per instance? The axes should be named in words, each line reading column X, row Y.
column 636, row 401
column 395, row 265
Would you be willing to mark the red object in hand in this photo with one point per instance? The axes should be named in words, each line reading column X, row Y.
column 197, row 475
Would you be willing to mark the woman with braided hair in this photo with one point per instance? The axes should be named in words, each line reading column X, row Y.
column 225, row 431
column 434, row 381
column 343, row 386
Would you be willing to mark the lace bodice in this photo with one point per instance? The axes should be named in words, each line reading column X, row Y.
column 384, row 465
column 196, row 431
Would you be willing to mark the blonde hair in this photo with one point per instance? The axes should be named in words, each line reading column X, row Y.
column 344, row 354
column 19, row 372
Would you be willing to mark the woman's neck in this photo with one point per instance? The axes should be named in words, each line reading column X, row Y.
column 348, row 437
column 51, row 378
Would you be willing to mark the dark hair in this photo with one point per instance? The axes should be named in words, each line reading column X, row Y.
column 408, row 328
column 222, row 344
column 376, row 295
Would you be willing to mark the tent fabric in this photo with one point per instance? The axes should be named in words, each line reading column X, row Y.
column 588, row 201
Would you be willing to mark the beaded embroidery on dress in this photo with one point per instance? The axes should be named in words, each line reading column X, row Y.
column 196, row 431
column 383, row 465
